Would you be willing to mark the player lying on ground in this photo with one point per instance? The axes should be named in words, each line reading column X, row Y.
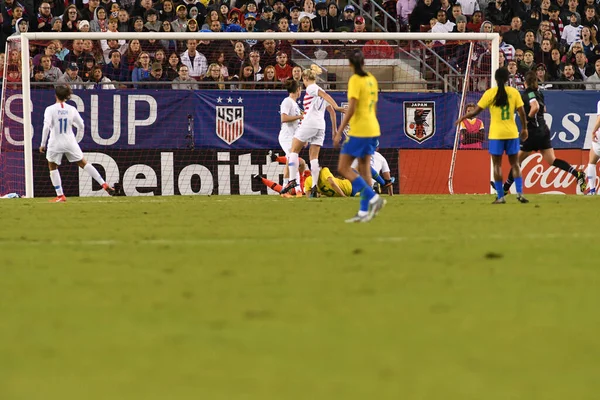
column 594, row 155
column 503, row 101
column 59, row 120
column 330, row 186
column 539, row 134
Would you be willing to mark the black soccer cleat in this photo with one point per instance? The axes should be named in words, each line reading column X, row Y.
column 581, row 181
column 522, row 199
column 314, row 193
column 291, row 184
column 377, row 188
column 257, row 178
column 273, row 156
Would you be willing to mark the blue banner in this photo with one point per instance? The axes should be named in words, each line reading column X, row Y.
column 234, row 120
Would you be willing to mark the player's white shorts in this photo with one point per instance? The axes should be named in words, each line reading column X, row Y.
column 71, row 150
column 310, row 135
column 285, row 141
column 596, row 148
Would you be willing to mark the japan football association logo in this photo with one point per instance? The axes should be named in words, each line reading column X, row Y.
column 230, row 122
column 419, row 120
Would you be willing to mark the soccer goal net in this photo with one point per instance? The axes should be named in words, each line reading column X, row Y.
column 199, row 113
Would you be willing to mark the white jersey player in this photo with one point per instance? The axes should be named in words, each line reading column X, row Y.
column 59, row 120
column 380, row 171
column 312, row 130
column 291, row 114
column 594, row 155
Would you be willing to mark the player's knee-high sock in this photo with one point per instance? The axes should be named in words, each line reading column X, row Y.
column 591, row 176
column 285, row 181
column 93, row 172
column 565, row 166
column 499, row 189
column 366, row 194
column 509, row 182
column 314, row 171
column 519, row 184
column 272, row 185
column 56, row 182
column 377, row 177
column 293, row 165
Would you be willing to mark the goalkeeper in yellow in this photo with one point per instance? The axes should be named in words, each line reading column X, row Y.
column 330, row 186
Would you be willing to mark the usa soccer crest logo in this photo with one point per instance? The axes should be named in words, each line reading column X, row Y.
column 419, row 120
column 230, row 123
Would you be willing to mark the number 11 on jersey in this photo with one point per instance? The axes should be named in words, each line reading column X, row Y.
column 63, row 125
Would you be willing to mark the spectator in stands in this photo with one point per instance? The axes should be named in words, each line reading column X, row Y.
column 581, row 66
column 9, row 26
column 50, row 51
column 569, row 57
column 588, row 41
column 333, row 11
column 101, row 21
column 556, row 24
column 172, row 69
column 152, row 22
column 154, row 78
column 240, row 57
column 44, row 17
column 192, row 26
column 572, row 9
column 196, row 62
column 168, row 45
column 555, row 67
column 595, row 77
column 138, row 24
column 283, row 69
column 269, row 55
column 13, row 75
column 159, row 56
column 347, row 18
column 515, row 79
column 111, row 45
column 297, row 73
column 213, row 15
column 50, row 72
column 572, row 32
column 214, row 75
column 88, row 63
column 142, row 69
column 123, row 18
column 308, row 9
column 524, row 9
column 472, row 131
column 424, row 11
column 266, row 21
column 323, row 22
column 56, row 24
column 528, row 63
column 442, row 25
column 359, row 24
column 515, row 36
column 70, row 19
column 132, row 55
column 590, row 18
column 40, row 77
column 221, row 62
column 246, row 77
column 295, row 17
column 279, row 10
column 542, row 77
column 98, row 80
column 250, row 24
column 544, row 8
column 223, row 12
column 569, row 76
column 89, row 10
column 269, row 81
column 474, row 25
column 115, row 70
column 111, row 8
column 235, row 17
column 469, row 7
column 83, row 26
column 531, row 44
column 498, row 12
column 255, row 62
column 183, row 80
column 543, row 27
column 508, row 49
column 378, row 49
column 546, row 47
column 404, row 9
column 167, row 11
column 180, row 23
column 456, row 11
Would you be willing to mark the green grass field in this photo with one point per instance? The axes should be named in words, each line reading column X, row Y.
column 264, row 298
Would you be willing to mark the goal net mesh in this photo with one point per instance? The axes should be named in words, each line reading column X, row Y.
column 199, row 116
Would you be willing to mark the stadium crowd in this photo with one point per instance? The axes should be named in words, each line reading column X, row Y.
column 556, row 38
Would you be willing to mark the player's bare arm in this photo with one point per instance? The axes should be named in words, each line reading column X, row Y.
column 349, row 113
column 471, row 114
column 524, row 133
column 335, row 187
column 331, row 101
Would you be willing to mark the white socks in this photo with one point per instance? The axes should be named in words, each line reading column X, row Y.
column 56, row 182
column 93, row 172
column 314, row 171
column 591, row 176
column 293, row 165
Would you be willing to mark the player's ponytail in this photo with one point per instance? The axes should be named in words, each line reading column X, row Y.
column 291, row 85
column 312, row 72
column 531, row 80
column 357, row 60
column 501, row 76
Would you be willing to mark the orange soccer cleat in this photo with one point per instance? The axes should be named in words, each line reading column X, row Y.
column 59, row 199
column 108, row 189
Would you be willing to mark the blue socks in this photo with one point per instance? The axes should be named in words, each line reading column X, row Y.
column 499, row 189
column 519, row 184
column 366, row 193
column 377, row 177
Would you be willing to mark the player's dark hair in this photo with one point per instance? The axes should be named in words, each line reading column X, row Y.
column 531, row 80
column 501, row 76
column 357, row 59
column 291, row 85
column 63, row 93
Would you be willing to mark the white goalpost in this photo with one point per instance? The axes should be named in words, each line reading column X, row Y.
column 29, row 103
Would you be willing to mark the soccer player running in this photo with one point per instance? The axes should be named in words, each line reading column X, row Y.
column 503, row 101
column 312, row 130
column 594, row 155
column 59, row 120
column 539, row 134
column 362, row 137
column 291, row 114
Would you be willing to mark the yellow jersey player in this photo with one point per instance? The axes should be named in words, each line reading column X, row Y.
column 329, row 186
column 503, row 101
column 362, row 137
